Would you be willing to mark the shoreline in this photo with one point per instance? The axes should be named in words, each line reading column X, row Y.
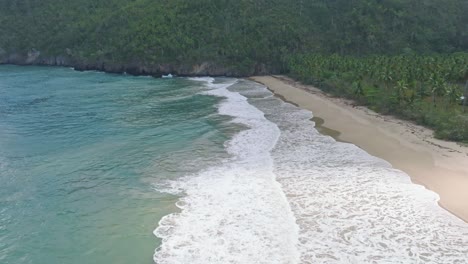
column 156, row 70
column 432, row 163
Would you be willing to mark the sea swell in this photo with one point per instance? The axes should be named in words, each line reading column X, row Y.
column 291, row 195
column 236, row 212
column 352, row 207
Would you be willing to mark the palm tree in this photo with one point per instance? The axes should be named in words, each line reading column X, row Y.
column 401, row 90
column 438, row 87
column 386, row 77
column 452, row 95
column 358, row 90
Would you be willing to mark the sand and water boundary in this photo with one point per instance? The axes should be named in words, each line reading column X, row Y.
column 438, row 165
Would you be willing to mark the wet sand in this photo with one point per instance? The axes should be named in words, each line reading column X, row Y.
column 440, row 166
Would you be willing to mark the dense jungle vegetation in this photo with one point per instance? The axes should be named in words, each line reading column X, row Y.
column 404, row 57
column 424, row 89
column 235, row 31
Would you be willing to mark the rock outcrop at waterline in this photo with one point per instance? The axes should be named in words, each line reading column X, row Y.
column 34, row 57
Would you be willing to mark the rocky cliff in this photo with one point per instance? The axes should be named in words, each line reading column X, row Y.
column 205, row 68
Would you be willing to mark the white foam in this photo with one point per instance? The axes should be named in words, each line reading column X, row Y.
column 334, row 203
column 237, row 212
column 205, row 80
column 352, row 207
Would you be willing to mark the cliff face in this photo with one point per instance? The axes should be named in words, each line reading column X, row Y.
column 34, row 57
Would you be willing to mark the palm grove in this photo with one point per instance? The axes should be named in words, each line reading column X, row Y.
column 402, row 57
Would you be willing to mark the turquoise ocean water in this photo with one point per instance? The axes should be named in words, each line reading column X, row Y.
column 99, row 168
column 80, row 153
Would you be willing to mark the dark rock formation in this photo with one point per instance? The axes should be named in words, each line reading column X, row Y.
column 35, row 57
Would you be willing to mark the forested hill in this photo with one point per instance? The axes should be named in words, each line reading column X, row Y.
column 225, row 37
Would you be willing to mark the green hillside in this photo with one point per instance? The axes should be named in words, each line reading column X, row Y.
column 403, row 57
column 239, row 34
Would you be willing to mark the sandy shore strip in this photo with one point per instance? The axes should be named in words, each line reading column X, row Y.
column 439, row 165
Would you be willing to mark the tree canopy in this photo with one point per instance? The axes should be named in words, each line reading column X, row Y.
column 231, row 31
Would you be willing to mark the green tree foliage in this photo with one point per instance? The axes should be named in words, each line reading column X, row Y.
column 236, row 32
column 425, row 89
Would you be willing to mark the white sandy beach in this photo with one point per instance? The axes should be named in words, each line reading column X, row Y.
column 439, row 165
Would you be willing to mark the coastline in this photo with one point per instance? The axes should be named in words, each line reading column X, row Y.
column 138, row 68
column 433, row 163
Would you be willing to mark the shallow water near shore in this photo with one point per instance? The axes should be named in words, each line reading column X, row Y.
column 102, row 168
column 343, row 205
column 80, row 152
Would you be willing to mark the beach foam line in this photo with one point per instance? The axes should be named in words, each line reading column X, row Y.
column 236, row 212
column 352, row 207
